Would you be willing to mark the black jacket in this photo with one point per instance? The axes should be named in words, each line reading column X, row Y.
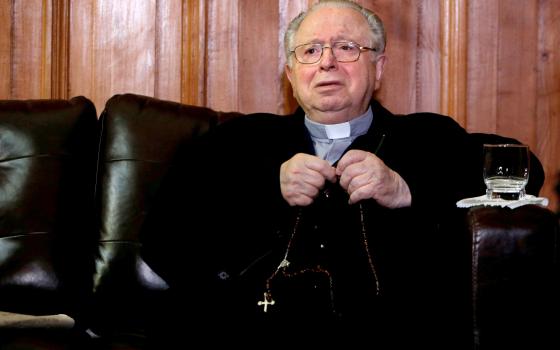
column 383, row 269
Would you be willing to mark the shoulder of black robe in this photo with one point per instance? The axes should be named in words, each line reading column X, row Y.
column 167, row 233
column 431, row 152
column 231, row 168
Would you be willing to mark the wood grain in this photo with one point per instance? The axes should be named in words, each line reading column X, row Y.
column 287, row 9
column 453, row 85
column 494, row 66
column 547, row 118
column 60, row 47
column 517, row 70
column 82, row 77
column 429, row 57
column 482, row 71
column 193, row 53
column 167, row 56
column 399, row 80
column 222, row 56
column 259, row 57
column 6, row 51
column 31, row 49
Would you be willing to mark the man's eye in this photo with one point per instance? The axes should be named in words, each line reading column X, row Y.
column 311, row 51
column 347, row 47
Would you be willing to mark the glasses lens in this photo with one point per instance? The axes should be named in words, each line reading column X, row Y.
column 346, row 51
column 308, row 53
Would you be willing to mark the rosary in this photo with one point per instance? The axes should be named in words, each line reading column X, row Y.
column 282, row 268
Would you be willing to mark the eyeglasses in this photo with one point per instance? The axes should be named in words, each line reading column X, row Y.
column 343, row 51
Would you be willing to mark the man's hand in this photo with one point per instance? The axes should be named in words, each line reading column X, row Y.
column 363, row 175
column 302, row 176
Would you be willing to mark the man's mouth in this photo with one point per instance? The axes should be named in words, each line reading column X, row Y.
column 328, row 83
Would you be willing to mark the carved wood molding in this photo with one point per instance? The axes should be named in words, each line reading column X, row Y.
column 6, row 58
column 193, row 55
column 453, row 89
column 60, row 49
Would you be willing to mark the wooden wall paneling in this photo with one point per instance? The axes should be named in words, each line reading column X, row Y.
column 287, row 10
column 193, row 52
column 548, row 99
column 5, row 48
column 121, row 52
column 124, row 48
column 60, row 48
column 429, row 57
column 492, row 65
column 31, row 49
column 82, row 78
column 482, row 62
column 168, row 41
column 222, row 55
column 397, row 90
column 259, row 82
column 454, row 59
column 517, row 73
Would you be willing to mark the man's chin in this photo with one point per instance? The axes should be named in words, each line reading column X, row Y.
column 330, row 114
column 332, row 106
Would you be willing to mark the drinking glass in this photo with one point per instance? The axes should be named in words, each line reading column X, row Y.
column 506, row 170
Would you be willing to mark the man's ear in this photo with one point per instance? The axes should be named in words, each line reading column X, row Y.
column 379, row 66
column 289, row 72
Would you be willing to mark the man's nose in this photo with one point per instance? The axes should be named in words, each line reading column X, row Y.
column 328, row 59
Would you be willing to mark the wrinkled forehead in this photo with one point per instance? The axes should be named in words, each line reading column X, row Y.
column 328, row 24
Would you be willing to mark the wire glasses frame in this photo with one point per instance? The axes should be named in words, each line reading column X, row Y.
column 343, row 51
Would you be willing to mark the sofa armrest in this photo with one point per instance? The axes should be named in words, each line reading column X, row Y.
column 514, row 275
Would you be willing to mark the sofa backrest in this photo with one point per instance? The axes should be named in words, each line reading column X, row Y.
column 140, row 136
column 47, row 176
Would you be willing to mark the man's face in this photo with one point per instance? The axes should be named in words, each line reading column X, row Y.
column 333, row 92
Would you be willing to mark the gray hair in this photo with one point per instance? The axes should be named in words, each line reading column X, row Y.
column 377, row 30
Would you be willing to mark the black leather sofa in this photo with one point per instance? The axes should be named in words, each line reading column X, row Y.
column 75, row 190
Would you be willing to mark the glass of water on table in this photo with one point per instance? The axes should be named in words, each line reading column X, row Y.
column 506, row 170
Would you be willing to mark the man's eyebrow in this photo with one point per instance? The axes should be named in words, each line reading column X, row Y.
column 313, row 41
column 332, row 40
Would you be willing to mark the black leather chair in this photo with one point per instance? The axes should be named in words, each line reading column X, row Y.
column 139, row 138
column 48, row 152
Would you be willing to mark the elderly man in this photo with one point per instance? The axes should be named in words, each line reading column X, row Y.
column 329, row 218
column 333, row 78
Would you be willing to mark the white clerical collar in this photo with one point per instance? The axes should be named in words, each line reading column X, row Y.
column 353, row 128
